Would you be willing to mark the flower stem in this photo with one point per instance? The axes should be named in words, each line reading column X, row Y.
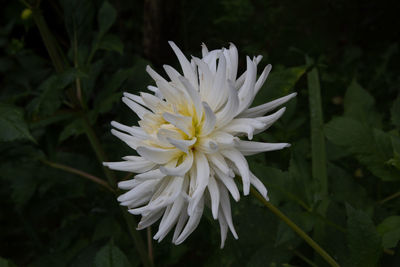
column 295, row 228
column 80, row 173
column 150, row 245
column 129, row 219
column 395, row 195
column 52, row 47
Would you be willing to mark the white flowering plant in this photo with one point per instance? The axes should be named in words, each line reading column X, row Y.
column 190, row 141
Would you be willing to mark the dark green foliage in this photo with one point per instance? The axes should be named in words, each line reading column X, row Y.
column 52, row 217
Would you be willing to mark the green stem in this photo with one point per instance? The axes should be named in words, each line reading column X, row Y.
column 48, row 40
column 304, row 258
column 80, row 173
column 295, row 228
column 395, row 195
column 150, row 245
column 129, row 219
column 319, row 166
column 98, row 150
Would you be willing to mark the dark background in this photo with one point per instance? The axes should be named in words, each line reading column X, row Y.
column 53, row 217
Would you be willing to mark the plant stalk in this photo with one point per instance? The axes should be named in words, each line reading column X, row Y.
column 129, row 219
column 48, row 39
column 297, row 229
column 386, row 199
column 80, row 173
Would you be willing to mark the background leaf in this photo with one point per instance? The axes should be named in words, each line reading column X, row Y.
column 12, row 124
column 111, row 256
column 363, row 240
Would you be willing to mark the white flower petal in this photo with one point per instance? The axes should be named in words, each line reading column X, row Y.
column 135, row 131
column 209, row 120
column 246, row 92
column 241, row 164
column 259, row 186
column 149, row 219
column 182, row 145
column 207, row 145
column 180, row 224
column 187, row 69
column 228, row 112
column 138, row 109
column 202, row 179
column 137, row 166
column 250, row 148
column 262, row 78
column 171, row 218
column 226, row 209
column 192, row 223
column 218, row 95
column 243, row 125
column 214, row 195
column 150, row 175
column 139, row 191
column 182, row 168
column 264, row 108
column 130, row 140
column 229, row 184
column 194, row 95
column 184, row 123
column 158, row 155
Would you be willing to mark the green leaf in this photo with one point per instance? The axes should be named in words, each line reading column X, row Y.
column 106, row 17
column 363, row 240
column 12, row 124
column 111, row 256
column 359, row 105
column 6, row 263
column 111, row 42
column 370, row 147
column 396, row 112
column 74, row 128
column 389, row 229
column 78, row 17
column 318, row 148
column 279, row 83
column 51, row 92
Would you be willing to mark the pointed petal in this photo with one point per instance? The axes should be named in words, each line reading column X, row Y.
column 182, row 145
column 214, row 194
column 183, row 123
column 158, row 155
column 262, row 78
column 229, row 184
column 264, row 108
column 258, row 185
column 135, row 131
column 228, row 112
column 138, row 109
column 187, row 69
column 192, row 223
column 226, row 209
column 182, row 168
column 209, row 120
column 250, row 148
column 241, row 164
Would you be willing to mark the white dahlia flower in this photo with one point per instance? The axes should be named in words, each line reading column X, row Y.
column 188, row 142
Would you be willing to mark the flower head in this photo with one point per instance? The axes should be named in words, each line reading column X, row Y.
column 188, row 142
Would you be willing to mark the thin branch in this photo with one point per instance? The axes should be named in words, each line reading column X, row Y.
column 297, row 229
column 386, row 199
column 79, row 172
column 150, row 245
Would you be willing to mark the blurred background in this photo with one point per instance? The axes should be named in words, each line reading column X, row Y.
column 65, row 64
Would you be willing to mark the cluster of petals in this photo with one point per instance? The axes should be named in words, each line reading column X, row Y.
column 188, row 142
